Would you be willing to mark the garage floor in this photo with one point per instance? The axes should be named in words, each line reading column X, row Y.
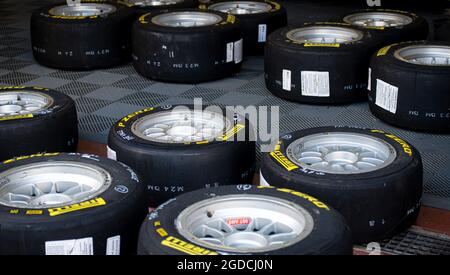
column 104, row 96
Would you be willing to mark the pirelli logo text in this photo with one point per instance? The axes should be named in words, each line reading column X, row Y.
column 283, row 160
column 30, row 156
column 312, row 200
column 76, row 207
column 232, row 132
column 185, row 247
column 123, row 121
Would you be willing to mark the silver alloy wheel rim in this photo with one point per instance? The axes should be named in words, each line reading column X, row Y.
column 324, row 35
column 84, row 9
column 341, row 153
column 23, row 102
column 186, row 19
column 241, row 7
column 244, row 223
column 154, row 3
column 181, row 126
column 52, row 184
column 378, row 19
column 430, row 55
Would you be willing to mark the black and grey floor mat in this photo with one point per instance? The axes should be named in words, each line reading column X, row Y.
column 104, row 96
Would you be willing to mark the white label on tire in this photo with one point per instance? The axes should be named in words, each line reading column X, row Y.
column 262, row 180
column 386, row 96
column 230, row 55
column 111, row 153
column 113, row 245
column 70, row 247
column 369, row 80
column 286, row 79
column 238, row 51
column 262, row 33
column 315, row 84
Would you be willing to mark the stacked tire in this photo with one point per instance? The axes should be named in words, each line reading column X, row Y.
column 140, row 7
column 178, row 149
column 373, row 178
column 321, row 63
column 36, row 120
column 244, row 220
column 89, row 36
column 257, row 19
column 389, row 26
column 409, row 85
column 69, row 204
column 188, row 46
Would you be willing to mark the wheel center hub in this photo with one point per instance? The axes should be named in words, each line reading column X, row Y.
column 341, row 156
column 246, row 240
column 182, row 131
column 52, row 199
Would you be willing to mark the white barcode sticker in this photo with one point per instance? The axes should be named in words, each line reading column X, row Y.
column 286, row 79
column 113, row 245
column 386, row 96
column 70, row 247
column 238, row 51
column 315, row 84
column 262, row 33
column 111, row 154
column 230, row 55
column 369, row 80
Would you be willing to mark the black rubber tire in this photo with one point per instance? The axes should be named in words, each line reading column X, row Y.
column 112, row 213
column 389, row 197
column 256, row 27
column 186, row 54
column 52, row 130
column 330, row 235
column 442, row 31
column 139, row 10
column 418, row 29
column 346, row 65
column 170, row 169
column 81, row 43
column 423, row 97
